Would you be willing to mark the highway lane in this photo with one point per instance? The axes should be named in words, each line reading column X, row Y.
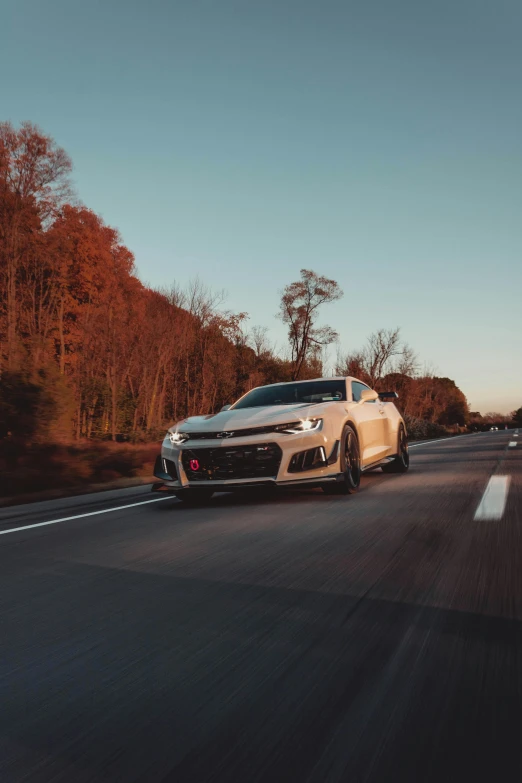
column 295, row 637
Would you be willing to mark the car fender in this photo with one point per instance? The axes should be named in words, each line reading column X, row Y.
column 337, row 431
column 351, row 423
column 337, row 417
column 396, row 420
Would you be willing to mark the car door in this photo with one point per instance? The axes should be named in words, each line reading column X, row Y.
column 371, row 423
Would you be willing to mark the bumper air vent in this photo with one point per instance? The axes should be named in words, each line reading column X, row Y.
column 311, row 459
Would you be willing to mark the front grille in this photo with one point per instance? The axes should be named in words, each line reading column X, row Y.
column 245, row 433
column 261, row 460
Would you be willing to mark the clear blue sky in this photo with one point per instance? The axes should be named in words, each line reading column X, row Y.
column 376, row 142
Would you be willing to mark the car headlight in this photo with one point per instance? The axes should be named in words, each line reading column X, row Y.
column 176, row 438
column 305, row 425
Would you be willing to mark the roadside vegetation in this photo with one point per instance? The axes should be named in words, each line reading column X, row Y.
column 52, row 470
column 90, row 356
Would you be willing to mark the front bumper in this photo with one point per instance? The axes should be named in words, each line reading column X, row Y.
column 249, row 462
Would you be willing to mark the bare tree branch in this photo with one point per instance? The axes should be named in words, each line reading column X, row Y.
column 300, row 302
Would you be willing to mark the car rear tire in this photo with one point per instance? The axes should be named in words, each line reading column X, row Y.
column 350, row 465
column 401, row 463
column 194, row 497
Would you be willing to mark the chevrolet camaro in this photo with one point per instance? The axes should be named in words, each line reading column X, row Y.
column 324, row 432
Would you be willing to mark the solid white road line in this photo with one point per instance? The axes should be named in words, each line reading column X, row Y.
column 493, row 500
column 438, row 440
column 79, row 516
column 512, row 444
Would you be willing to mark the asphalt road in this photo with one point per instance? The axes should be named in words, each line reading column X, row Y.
column 295, row 637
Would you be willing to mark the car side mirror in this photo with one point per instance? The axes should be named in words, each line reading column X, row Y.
column 226, row 407
column 368, row 395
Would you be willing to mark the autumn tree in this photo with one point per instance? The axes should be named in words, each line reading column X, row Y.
column 455, row 409
column 33, row 183
column 493, row 417
column 300, row 303
column 383, row 353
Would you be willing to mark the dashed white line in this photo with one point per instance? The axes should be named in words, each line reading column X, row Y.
column 493, row 500
column 79, row 516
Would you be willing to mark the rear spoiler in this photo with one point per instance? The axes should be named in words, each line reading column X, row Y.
column 388, row 395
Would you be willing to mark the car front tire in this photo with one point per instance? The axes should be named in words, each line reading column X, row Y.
column 350, row 465
column 401, row 463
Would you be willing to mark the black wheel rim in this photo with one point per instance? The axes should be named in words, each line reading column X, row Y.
column 403, row 447
column 351, row 453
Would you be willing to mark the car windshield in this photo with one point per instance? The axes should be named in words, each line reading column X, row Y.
column 292, row 393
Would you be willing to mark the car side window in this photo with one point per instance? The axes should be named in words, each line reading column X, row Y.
column 357, row 388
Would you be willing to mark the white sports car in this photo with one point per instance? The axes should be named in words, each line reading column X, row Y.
column 322, row 432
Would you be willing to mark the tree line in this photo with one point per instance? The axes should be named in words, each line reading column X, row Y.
column 87, row 350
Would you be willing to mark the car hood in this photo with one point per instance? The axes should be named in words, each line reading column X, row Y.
column 248, row 417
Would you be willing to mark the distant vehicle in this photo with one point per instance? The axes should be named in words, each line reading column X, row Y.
column 492, row 429
column 323, row 432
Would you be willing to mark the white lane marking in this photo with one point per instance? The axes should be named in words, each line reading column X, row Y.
column 438, row 440
column 493, row 500
column 512, row 444
column 79, row 516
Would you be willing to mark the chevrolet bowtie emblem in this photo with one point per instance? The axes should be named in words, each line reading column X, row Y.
column 225, row 434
